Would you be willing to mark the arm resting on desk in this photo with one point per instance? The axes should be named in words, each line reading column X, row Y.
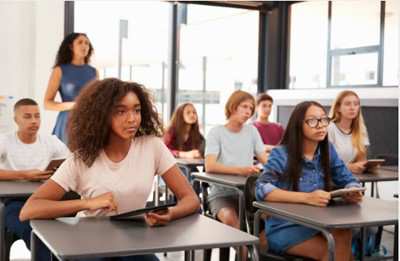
column 45, row 203
column 188, row 202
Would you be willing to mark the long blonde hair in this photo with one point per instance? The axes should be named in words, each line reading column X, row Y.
column 358, row 129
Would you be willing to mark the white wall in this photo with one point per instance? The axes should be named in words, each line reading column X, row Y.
column 31, row 33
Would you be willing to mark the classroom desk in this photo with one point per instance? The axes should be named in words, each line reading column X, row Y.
column 231, row 181
column 190, row 162
column 8, row 190
column 74, row 238
column 370, row 212
column 380, row 175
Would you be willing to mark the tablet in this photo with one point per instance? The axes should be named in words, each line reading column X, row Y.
column 138, row 214
column 344, row 191
column 54, row 164
column 373, row 163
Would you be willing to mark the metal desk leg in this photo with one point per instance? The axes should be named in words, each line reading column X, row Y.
column 362, row 248
column 242, row 223
column 241, row 211
column 254, row 252
column 396, row 242
column 331, row 244
column 34, row 243
column 188, row 255
column 2, row 233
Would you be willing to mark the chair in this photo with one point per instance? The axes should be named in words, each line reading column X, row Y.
column 250, row 197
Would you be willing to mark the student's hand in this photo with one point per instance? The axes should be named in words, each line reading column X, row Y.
column 35, row 174
column 318, row 198
column 158, row 218
column 247, row 171
column 268, row 148
column 353, row 197
column 104, row 201
column 357, row 167
column 193, row 154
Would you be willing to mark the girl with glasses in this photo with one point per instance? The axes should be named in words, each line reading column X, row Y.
column 347, row 131
column 302, row 170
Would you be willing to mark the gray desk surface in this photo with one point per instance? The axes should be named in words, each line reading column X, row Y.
column 18, row 188
column 190, row 162
column 223, row 179
column 99, row 237
column 382, row 174
column 369, row 212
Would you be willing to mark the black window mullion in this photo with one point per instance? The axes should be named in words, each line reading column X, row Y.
column 328, row 47
column 381, row 44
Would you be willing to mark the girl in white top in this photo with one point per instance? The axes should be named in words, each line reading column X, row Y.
column 116, row 154
column 347, row 131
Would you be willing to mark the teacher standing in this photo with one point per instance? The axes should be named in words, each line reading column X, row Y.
column 71, row 72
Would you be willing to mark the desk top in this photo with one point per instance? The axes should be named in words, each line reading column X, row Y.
column 190, row 162
column 18, row 188
column 369, row 212
column 381, row 174
column 222, row 179
column 100, row 237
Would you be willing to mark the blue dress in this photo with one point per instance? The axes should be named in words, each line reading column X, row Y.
column 281, row 234
column 74, row 77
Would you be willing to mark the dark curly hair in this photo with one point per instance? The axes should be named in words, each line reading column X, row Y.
column 65, row 54
column 89, row 123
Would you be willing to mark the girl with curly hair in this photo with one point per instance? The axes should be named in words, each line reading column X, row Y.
column 114, row 134
column 71, row 72
column 183, row 136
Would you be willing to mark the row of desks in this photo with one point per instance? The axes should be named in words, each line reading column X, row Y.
column 123, row 238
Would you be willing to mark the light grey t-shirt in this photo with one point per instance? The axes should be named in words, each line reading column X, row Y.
column 232, row 149
column 343, row 143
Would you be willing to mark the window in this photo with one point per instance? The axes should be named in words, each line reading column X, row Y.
column 143, row 49
column 344, row 48
column 218, row 55
column 309, row 31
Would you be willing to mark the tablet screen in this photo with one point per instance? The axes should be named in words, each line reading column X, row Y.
column 139, row 213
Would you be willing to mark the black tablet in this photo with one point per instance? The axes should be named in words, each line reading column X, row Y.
column 54, row 164
column 138, row 214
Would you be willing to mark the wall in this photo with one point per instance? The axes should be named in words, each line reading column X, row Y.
column 31, row 32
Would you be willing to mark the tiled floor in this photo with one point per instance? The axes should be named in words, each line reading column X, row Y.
column 20, row 253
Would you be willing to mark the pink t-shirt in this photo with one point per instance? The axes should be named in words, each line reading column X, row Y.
column 271, row 133
column 130, row 180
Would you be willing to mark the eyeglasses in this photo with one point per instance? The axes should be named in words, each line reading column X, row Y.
column 315, row 122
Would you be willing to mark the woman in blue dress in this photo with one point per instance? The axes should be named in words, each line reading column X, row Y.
column 302, row 170
column 70, row 73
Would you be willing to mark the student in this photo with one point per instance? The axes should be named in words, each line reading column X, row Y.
column 183, row 136
column 116, row 154
column 230, row 149
column 301, row 171
column 271, row 133
column 24, row 155
column 347, row 131
column 71, row 72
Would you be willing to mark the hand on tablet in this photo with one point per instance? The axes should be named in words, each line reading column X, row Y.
column 35, row 174
column 318, row 198
column 357, row 167
column 353, row 197
column 105, row 202
column 157, row 218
